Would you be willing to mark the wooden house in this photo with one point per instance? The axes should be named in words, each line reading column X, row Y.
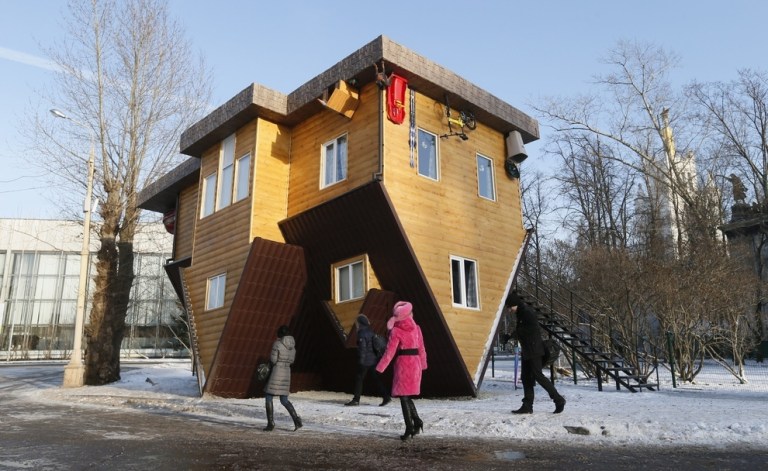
column 386, row 177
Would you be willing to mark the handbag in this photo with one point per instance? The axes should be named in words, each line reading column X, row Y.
column 263, row 371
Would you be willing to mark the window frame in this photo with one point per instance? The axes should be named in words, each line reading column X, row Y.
column 324, row 160
column 225, row 187
column 464, row 302
column 219, row 283
column 436, row 141
column 492, row 182
column 337, row 279
column 242, row 171
column 208, row 195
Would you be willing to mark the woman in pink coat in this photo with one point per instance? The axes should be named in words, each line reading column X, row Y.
column 406, row 346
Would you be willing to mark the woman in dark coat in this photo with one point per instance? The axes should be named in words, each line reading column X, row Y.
column 366, row 359
column 279, row 383
column 406, row 346
column 532, row 349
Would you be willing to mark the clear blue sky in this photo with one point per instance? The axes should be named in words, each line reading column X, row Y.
column 516, row 50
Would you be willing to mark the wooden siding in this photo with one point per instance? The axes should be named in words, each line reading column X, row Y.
column 447, row 217
column 271, row 164
column 222, row 242
column 364, row 221
column 186, row 217
column 362, row 146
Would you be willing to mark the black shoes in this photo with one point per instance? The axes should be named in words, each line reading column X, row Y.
column 418, row 426
column 525, row 409
column 353, row 402
column 559, row 405
column 385, row 401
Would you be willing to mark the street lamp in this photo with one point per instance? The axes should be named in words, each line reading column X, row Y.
column 74, row 372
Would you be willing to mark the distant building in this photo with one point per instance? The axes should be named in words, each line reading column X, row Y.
column 386, row 177
column 39, row 279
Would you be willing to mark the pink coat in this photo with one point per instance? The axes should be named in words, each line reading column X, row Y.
column 406, row 380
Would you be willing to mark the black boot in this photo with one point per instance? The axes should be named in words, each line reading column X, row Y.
column 270, row 417
column 407, row 418
column 296, row 419
column 418, row 425
column 527, row 408
column 559, row 404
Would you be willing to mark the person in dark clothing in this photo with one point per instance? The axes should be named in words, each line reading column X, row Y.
column 279, row 383
column 532, row 349
column 366, row 360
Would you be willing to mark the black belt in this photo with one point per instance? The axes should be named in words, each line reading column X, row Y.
column 408, row 351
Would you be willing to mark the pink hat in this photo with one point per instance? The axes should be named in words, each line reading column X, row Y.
column 402, row 310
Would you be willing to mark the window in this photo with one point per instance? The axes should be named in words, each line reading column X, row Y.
column 215, row 292
column 485, row 182
column 227, row 164
column 464, row 282
column 209, row 195
column 427, row 154
column 350, row 281
column 334, row 161
column 242, row 173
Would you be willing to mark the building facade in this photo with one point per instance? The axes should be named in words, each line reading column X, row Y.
column 385, row 177
column 39, row 280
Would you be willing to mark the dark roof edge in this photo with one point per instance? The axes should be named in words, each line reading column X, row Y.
column 155, row 196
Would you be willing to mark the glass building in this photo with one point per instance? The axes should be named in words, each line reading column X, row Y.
column 39, row 280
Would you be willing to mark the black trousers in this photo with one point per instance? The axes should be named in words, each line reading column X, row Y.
column 531, row 373
column 362, row 371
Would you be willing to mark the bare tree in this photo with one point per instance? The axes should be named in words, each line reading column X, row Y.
column 127, row 72
column 669, row 256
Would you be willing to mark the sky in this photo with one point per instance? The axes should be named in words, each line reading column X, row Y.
column 716, row 412
column 518, row 51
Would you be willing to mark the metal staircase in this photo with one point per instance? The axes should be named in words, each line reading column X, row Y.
column 585, row 334
column 197, row 366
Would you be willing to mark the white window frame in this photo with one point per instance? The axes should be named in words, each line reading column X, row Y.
column 461, row 296
column 332, row 148
column 227, row 172
column 423, row 145
column 491, row 175
column 208, row 204
column 242, row 177
column 344, row 274
column 214, row 291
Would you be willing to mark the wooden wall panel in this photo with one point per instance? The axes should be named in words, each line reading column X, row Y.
column 363, row 152
column 186, row 217
column 447, row 217
column 270, row 180
column 221, row 245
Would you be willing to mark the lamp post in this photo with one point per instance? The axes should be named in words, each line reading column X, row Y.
column 74, row 372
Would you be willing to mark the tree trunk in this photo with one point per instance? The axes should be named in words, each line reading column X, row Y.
column 110, row 300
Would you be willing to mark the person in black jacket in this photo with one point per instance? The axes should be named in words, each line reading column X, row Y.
column 532, row 349
column 366, row 360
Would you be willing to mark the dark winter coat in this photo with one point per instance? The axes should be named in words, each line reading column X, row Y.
column 406, row 380
column 528, row 332
column 283, row 354
column 365, row 354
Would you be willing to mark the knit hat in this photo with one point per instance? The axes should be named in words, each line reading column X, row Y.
column 402, row 310
column 362, row 320
column 512, row 300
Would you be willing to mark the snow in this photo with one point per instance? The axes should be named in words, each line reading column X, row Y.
column 715, row 412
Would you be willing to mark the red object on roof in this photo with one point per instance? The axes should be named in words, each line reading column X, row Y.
column 396, row 98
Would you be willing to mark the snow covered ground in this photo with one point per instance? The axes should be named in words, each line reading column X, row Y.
column 713, row 413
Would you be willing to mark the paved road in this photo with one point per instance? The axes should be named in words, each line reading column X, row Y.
column 60, row 437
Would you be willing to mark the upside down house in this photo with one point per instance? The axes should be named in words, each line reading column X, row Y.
column 386, row 177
